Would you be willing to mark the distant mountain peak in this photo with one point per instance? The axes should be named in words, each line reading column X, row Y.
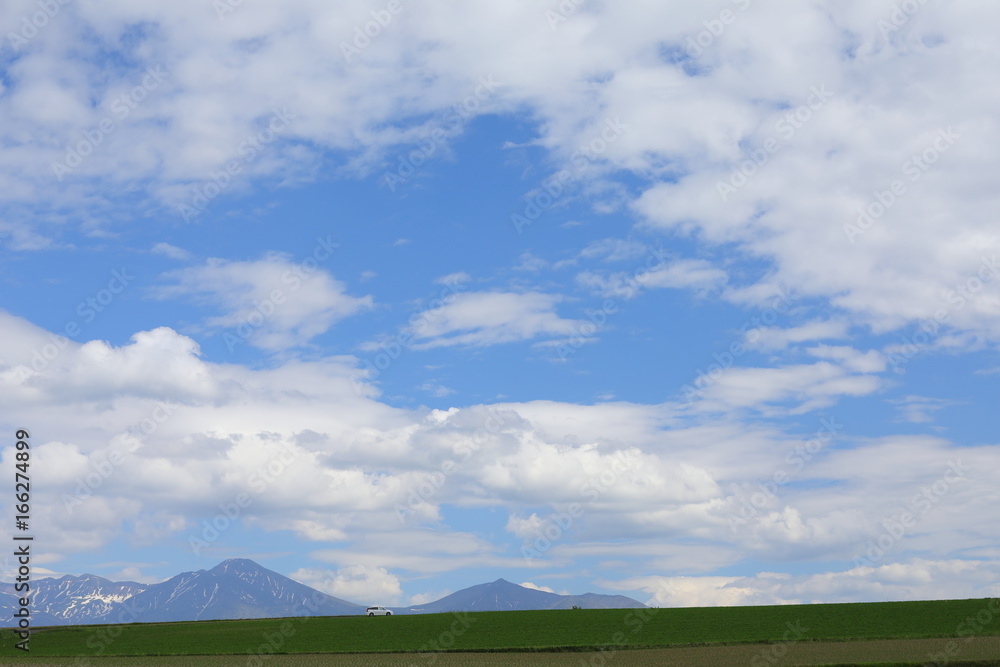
column 242, row 568
column 239, row 564
column 235, row 588
column 502, row 595
column 242, row 588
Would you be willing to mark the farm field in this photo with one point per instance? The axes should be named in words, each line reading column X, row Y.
column 801, row 634
column 977, row 652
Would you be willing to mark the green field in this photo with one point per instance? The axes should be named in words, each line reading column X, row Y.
column 611, row 633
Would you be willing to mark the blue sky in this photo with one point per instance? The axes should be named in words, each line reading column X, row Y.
column 694, row 302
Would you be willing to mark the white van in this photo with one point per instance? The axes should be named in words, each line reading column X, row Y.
column 378, row 611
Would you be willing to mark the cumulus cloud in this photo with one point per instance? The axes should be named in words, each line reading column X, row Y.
column 165, row 448
column 272, row 303
column 813, row 119
column 159, row 363
column 356, row 583
column 916, row 579
column 809, row 161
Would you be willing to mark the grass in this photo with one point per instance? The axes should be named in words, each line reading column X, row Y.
column 520, row 631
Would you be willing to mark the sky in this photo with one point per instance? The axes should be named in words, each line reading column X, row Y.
column 695, row 302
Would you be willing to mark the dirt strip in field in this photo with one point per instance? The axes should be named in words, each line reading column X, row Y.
column 918, row 651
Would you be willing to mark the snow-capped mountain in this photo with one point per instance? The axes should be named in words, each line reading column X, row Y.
column 240, row 588
column 236, row 588
column 70, row 600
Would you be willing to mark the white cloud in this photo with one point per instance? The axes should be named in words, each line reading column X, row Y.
column 421, row 551
column 614, row 250
column 332, row 465
column 930, row 254
column 158, row 363
column 730, row 100
column 356, row 583
column 436, row 390
column 536, row 587
column 133, row 573
column 691, row 273
column 853, row 360
column 531, row 263
column 920, row 409
column 694, row 274
column 423, row 598
column 457, row 278
column 272, row 303
column 804, row 386
column 151, row 528
column 171, row 251
column 792, row 211
column 913, row 580
column 774, row 338
column 697, row 591
column 480, row 319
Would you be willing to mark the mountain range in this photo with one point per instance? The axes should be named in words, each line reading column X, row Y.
column 240, row 588
column 502, row 595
